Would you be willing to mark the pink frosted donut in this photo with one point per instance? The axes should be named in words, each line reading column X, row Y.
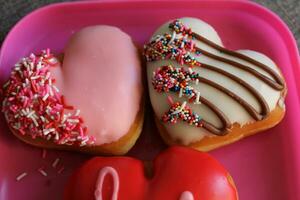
column 90, row 101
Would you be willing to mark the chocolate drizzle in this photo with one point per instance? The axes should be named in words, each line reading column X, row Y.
column 238, row 99
column 277, row 84
column 263, row 104
column 210, row 127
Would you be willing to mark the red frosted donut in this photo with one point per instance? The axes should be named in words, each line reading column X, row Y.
column 178, row 174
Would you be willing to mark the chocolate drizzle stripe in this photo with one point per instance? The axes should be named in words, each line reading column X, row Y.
column 235, row 97
column 254, row 72
column 210, row 127
column 279, row 84
column 263, row 104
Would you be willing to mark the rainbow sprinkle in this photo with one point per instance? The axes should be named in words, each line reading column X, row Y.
column 167, row 78
column 179, row 27
column 179, row 47
column 182, row 112
column 169, row 46
column 33, row 106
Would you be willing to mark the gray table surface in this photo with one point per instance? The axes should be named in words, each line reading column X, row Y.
column 13, row 10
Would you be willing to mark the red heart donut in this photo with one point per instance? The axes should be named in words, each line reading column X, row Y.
column 178, row 174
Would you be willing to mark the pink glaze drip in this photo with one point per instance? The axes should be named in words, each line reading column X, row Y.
column 102, row 174
column 186, row 195
column 101, row 75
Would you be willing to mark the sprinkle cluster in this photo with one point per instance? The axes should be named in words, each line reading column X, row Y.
column 179, row 27
column 33, row 106
column 167, row 78
column 169, row 46
column 182, row 112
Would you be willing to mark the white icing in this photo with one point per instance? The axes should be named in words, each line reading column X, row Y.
column 186, row 195
column 234, row 111
column 281, row 103
column 116, row 183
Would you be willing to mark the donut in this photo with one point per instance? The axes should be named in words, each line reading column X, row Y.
column 87, row 99
column 178, row 173
column 204, row 95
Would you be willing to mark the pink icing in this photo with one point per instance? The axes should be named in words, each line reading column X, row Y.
column 102, row 174
column 186, row 195
column 101, row 76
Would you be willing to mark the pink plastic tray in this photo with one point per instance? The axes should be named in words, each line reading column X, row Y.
column 264, row 166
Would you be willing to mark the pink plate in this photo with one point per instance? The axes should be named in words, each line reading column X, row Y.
column 264, row 166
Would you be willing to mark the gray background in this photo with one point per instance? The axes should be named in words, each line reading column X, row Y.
column 13, row 10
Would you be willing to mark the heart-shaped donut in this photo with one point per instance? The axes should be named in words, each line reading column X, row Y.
column 91, row 102
column 178, row 174
column 204, row 95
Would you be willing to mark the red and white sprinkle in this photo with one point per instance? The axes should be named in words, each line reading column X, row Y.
column 42, row 171
column 21, row 176
column 61, row 170
column 33, row 106
column 44, row 153
column 55, row 163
